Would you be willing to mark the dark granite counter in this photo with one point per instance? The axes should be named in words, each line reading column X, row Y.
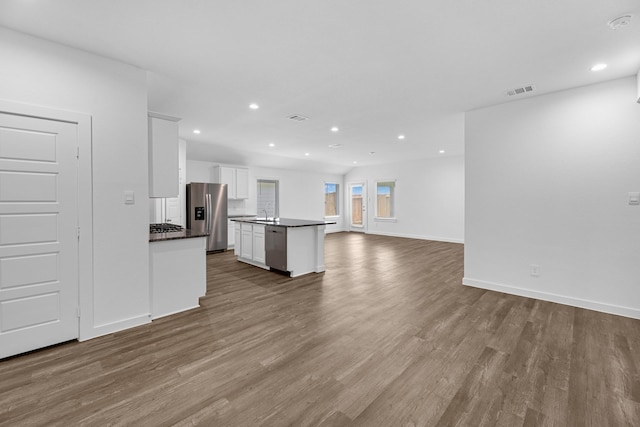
column 184, row 234
column 284, row 222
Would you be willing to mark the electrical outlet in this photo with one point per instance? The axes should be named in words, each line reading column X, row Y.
column 535, row 270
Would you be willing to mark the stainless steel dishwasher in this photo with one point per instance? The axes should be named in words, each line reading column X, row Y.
column 275, row 245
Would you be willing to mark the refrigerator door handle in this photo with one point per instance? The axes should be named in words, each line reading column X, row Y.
column 208, row 212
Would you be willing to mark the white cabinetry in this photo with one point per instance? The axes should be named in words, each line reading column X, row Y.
column 172, row 209
column 246, row 245
column 250, row 247
column 163, row 155
column 237, row 180
column 242, row 183
column 258, row 244
column 238, row 240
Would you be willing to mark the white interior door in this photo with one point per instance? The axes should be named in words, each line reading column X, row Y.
column 358, row 206
column 38, row 233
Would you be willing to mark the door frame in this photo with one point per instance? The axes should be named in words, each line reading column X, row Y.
column 85, row 197
column 350, row 226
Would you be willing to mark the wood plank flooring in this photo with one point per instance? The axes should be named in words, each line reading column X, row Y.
column 387, row 336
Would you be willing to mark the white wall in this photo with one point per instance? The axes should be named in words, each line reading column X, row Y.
column 547, row 183
column 301, row 193
column 38, row 72
column 429, row 198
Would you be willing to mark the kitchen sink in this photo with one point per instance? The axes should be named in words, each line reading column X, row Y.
column 266, row 220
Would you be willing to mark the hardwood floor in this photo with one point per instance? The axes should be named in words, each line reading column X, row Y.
column 387, row 336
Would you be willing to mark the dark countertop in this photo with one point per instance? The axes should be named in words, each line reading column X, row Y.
column 184, row 234
column 284, row 222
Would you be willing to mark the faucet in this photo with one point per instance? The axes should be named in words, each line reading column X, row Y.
column 266, row 215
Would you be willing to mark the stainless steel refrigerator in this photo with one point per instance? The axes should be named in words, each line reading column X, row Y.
column 207, row 211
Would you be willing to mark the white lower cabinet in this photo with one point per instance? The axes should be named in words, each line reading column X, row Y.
column 258, row 244
column 246, row 248
column 237, row 238
column 249, row 245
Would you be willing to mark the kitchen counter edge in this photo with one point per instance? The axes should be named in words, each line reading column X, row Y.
column 284, row 222
column 176, row 235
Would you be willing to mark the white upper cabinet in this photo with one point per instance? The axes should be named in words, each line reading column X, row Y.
column 242, row 183
column 237, row 180
column 163, row 155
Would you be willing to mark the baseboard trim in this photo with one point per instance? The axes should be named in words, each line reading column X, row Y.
column 417, row 236
column 560, row 299
column 121, row 325
column 333, row 230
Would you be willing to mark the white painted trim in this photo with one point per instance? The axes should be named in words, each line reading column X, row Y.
column 253, row 263
column 85, row 200
column 334, row 230
column 182, row 310
column 118, row 326
column 163, row 116
column 417, row 236
column 560, row 299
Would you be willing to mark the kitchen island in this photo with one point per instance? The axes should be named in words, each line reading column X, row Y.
column 293, row 246
column 177, row 271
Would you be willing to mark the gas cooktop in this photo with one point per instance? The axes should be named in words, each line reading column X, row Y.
column 164, row 228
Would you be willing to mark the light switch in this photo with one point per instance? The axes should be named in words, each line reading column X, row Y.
column 129, row 198
column 634, row 198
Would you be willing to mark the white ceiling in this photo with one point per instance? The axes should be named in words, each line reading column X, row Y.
column 374, row 68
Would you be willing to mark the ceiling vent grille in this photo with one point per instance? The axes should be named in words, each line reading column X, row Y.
column 298, row 118
column 520, row 90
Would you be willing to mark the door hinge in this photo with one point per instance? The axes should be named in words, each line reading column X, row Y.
column 77, row 152
column 78, row 311
column 78, row 232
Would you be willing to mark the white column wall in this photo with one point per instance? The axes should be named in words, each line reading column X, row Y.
column 42, row 73
column 547, row 183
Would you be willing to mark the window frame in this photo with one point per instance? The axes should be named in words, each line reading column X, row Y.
column 276, row 207
column 392, row 201
column 337, row 214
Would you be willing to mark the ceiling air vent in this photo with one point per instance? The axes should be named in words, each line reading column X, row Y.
column 520, row 90
column 298, row 118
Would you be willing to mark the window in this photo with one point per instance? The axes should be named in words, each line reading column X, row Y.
column 331, row 199
column 267, row 198
column 385, row 195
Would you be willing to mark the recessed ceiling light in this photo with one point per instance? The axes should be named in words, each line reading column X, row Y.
column 441, row 151
column 400, row 137
column 196, row 131
column 334, row 129
column 271, row 144
column 598, row 67
column 254, row 106
column 355, row 162
column 307, row 154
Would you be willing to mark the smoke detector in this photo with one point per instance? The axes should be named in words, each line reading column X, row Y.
column 520, row 90
column 298, row 118
column 620, row 22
